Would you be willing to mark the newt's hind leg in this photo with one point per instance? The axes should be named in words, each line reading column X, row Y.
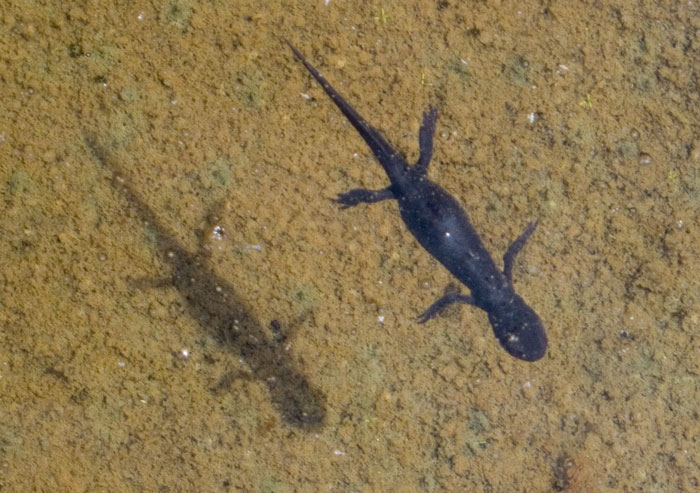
column 362, row 195
column 425, row 139
column 514, row 248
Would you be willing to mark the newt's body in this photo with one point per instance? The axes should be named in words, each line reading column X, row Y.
column 439, row 224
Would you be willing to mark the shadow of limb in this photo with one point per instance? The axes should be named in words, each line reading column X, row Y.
column 214, row 304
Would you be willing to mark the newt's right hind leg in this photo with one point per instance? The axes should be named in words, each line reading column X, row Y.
column 362, row 195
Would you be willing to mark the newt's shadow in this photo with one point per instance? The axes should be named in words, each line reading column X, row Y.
column 213, row 303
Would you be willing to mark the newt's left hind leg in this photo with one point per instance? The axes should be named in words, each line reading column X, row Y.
column 425, row 140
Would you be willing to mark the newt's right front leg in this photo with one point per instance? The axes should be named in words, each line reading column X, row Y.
column 444, row 302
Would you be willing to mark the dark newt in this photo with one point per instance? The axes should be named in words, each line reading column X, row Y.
column 439, row 224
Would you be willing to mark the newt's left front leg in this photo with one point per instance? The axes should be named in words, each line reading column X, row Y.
column 514, row 248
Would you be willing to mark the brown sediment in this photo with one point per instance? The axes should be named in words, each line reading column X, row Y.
column 584, row 116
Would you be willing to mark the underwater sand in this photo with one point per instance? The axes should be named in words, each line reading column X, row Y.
column 121, row 370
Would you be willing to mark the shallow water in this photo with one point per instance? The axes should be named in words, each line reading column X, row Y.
column 121, row 370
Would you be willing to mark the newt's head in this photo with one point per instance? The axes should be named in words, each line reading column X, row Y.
column 519, row 329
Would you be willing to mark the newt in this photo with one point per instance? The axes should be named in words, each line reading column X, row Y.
column 442, row 227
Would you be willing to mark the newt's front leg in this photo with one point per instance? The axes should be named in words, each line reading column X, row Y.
column 443, row 303
column 514, row 249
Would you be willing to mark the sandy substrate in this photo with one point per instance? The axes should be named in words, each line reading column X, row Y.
column 211, row 321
